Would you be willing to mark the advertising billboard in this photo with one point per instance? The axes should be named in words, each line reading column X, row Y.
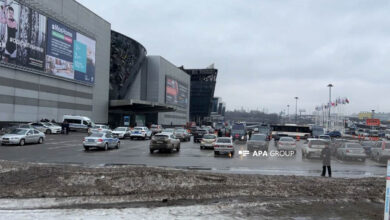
column 176, row 93
column 22, row 35
column 69, row 53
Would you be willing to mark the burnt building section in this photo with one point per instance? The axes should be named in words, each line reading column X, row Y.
column 202, row 92
column 218, row 110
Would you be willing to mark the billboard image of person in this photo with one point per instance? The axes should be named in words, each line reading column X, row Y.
column 84, row 58
column 22, row 35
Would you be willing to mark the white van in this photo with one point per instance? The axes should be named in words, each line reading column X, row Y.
column 80, row 123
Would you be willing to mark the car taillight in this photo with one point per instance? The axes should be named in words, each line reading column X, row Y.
column 216, row 145
column 309, row 145
column 99, row 129
column 347, row 151
column 230, row 146
column 83, row 139
column 100, row 140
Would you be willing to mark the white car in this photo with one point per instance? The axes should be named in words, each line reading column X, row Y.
column 100, row 128
column 313, row 148
column 224, row 145
column 46, row 127
column 121, row 132
column 141, row 132
column 287, row 143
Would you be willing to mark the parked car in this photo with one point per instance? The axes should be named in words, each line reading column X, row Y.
column 313, row 148
column 78, row 123
column 208, row 141
column 182, row 135
column 257, row 142
column 121, row 132
column 22, row 136
column 286, row 143
column 193, row 129
column 325, row 137
column 334, row 134
column 336, row 144
column 141, row 132
column 224, row 145
column 164, row 142
column 46, row 127
column 351, row 151
column 99, row 128
column 103, row 140
column 168, row 130
column 156, row 129
column 367, row 146
column 198, row 135
column 381, row 151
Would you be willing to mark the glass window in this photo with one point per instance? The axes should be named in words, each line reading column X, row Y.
column 30, row 132
column 36, row 132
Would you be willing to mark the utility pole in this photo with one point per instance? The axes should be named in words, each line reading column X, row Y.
column 330, row 104
column 296, row 110
column 288, row 113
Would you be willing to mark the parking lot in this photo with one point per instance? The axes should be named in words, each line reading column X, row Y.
column 68, row 149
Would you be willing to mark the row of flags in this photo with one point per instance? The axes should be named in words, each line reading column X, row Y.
column 338, row 101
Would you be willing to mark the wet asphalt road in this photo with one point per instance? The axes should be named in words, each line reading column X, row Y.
column 68, row 150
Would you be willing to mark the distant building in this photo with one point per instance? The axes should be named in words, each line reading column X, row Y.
column 202, row 92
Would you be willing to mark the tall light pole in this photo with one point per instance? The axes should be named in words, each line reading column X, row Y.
column 296, row 109
column 288, row 112
column 330, row 103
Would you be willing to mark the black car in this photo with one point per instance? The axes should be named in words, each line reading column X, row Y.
column 198, row 134
column 334, row 134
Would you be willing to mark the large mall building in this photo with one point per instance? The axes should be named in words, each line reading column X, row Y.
column 62, row 59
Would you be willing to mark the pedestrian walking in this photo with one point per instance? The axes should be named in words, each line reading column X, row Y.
column 66, row 125
column 325, row 155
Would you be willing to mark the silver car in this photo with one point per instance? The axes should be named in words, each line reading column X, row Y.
column 381, row 151
column 22, row 136
column 257, row 142
column 286, row 143
column 103, row 140
column 121, row 132
column 164, row 142
column 99, row 128
column 313, row 148
column 351, row 151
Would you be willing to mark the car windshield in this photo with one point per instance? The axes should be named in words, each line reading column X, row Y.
column 223, row 140
column 324, row 137
column 96, row 135
column 154, row 126
column 258, row 137
column 24, row 126
column 209, row 136
column 287, row 139
column 161, row 136
column 318, row 142
column 46, row 124
column 138, row 129
column 120, row 129
column 353, row 146
column 19, row 131
column 168, row 130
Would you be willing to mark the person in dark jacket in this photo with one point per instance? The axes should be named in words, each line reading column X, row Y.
column 325, row 155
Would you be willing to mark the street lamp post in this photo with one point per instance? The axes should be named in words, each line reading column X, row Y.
column 296, row 109
column 288, row 112
column 330, row 104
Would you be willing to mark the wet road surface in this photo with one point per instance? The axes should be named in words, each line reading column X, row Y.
column 68, row 150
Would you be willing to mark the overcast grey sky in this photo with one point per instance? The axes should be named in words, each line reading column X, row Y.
column 268, row 52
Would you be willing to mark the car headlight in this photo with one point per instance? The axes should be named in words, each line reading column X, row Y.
column 242, row 137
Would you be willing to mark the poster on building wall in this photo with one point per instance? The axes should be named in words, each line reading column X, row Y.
column 22, row 35
column 176, row 93
column 59, row 57
column 84, row 58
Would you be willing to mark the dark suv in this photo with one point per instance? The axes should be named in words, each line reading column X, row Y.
column 198, row 134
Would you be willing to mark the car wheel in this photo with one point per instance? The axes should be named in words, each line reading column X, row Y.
column 151, row 151
column 40, row 140
column 48, row 131
column 201, row 147
column 106, row 147
column 131, row 138
column 178, row 148
column 22, row 142
column 86, row 148
column 216, row 153
column 118, row 145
